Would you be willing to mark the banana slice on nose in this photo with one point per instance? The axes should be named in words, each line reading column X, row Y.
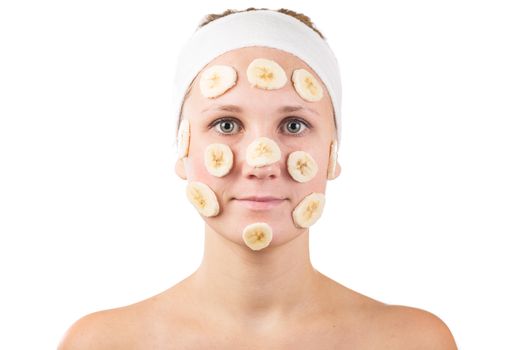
column 183, row 138
column 218, row 159
column 301, row 166
column 216, row 80
column 306, row 85
column 332, row 160
column 257, row 236
column 262, row 151
column 203, row 198
column 266, row 74
column 309, row 210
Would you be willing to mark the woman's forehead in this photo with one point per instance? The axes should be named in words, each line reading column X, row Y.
column 243, row 93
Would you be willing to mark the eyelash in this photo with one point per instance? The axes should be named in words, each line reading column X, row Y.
column 236, row 121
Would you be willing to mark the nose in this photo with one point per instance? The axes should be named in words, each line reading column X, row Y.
column 270, row 171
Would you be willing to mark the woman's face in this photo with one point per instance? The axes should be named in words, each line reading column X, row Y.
column 257, row 113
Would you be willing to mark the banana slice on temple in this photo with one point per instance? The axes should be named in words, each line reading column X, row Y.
column 218, row 159
column 332, row 160
column 217, row 79
column 266, row 74
column 203, row 198
column 262, row 151
column 306, row 85
column 183, row 138
column 309, row 210
column 257, row 235
column 301, row 166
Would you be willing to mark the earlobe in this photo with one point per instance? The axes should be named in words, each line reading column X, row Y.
column 180, row 169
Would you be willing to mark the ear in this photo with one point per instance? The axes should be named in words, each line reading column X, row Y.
column 180, row 169
column 337, row 170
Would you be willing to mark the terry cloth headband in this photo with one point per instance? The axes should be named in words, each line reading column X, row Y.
column 258, row 28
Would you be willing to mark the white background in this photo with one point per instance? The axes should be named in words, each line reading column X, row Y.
column 428, row 211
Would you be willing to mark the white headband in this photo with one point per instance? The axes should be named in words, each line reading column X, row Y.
column 258, row 28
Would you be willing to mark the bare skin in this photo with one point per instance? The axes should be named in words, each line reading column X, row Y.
column 268, row 299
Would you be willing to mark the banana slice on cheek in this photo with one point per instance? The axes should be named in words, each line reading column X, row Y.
column 309, row 210
column 332, row 160
column 218, row 159
column 183, row 138
column 301, row 166
column 203, row 198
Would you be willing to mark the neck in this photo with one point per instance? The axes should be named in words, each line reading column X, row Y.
column 255, row 285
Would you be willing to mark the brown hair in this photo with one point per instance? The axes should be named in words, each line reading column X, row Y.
column 300, row 16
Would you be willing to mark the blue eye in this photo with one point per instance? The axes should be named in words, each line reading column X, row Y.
column 296, row 126
column 225, row 126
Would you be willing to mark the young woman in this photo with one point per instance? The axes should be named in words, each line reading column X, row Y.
column 260, row 96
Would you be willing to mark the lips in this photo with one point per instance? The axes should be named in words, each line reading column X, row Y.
column 259, row 202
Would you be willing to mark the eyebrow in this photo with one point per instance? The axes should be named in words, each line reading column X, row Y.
column 237, row 109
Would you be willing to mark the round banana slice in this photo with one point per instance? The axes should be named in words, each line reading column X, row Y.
column 308, row 210
column 216, row 80
column 183, row 138
column 203, row 198
column 218, row 159
column 332, row 160
column 257, row 235
column 301, row 166
column 266, row 74
column 262, row 151
column 306, row 85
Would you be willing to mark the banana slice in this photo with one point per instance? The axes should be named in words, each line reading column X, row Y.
column 306, row 85
column 203, row 198
column 218, row 159
column 308, row 210
column 183, row 138
column 257, row 235
column 332, row 161
column 301, row 166
column 217, row 79
column 262, row 151
column 266, row 74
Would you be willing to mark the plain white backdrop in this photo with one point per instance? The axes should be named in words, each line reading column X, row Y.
column 429, row 210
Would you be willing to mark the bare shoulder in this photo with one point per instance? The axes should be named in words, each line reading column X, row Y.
column 104, row 329
column 407, row 328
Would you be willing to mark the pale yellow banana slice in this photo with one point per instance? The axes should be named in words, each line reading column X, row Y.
column 306, row 85
column 218, row 159
column 257, row 235
column 301, row 166
column 216, row 80
column 332, row 160
column 266, row 74
column 309, row 210
column 262, row 151
column 183, row 138
column 203, row 198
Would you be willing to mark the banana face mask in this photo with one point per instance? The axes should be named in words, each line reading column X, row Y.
column 261, row 73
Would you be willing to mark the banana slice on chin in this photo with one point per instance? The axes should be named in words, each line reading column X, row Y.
column 257, row 236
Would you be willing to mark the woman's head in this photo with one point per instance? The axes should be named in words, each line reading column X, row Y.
column 294, row 119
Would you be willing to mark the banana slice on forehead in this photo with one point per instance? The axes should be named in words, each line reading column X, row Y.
column 218, row 159
column 216, row 80
column 309, row 210
column 306, row 85
column 301, row 166
column 257, row 236
column 262, row 151
column 203, row 198
column 266, row 74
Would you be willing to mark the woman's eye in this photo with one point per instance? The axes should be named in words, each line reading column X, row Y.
column 226, row 126
column 295, row 126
